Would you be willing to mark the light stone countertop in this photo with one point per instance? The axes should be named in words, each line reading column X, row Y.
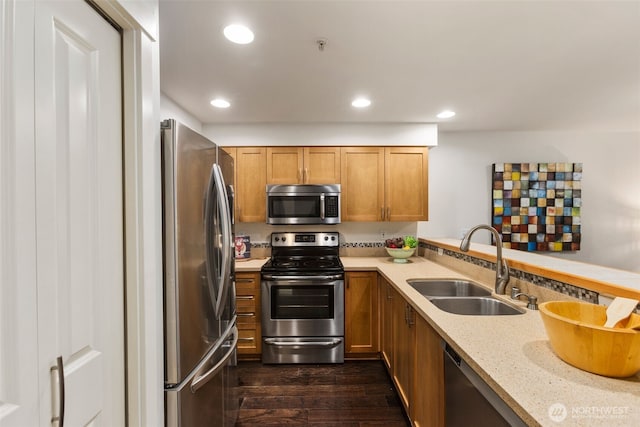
column 512, row 354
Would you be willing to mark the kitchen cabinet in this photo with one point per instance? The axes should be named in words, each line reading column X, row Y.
column 429, row 399
column 404, row 335
column 406, row 184
column 362, row 174
column 361, row 314
column 385, row 298
column 248, row 312
column 251, row 181
column 384, row 183
column 303, row 165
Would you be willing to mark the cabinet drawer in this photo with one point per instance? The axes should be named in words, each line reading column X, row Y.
column 248, row 341
column 247, row 284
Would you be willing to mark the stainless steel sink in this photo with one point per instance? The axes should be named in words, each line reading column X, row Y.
column 447, row 288
column 477, row 306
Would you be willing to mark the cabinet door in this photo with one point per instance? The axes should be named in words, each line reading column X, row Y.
column 403, row 349
column 361, row 313
column 362, row 176
column 406, row 185
column 428, row 394
column 251, row 184
column 248, row 312
column 321, row 165
column 385, row 299
column 284, row 165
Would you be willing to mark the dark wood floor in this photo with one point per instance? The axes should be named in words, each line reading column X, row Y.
column 350, row 394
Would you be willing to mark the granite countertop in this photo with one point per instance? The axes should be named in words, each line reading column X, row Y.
column 511, row 353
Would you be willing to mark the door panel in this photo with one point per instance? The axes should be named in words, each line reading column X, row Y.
column 79, row 231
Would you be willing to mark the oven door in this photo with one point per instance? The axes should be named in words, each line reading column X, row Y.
column 303, row 306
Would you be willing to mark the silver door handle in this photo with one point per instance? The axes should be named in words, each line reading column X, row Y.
column 245, row 314
column 301, row 344
column 200, row 380
column 59, row 368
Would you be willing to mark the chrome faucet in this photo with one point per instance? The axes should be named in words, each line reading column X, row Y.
column 502, row 269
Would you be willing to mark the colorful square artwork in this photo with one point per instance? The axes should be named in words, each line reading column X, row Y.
column 536, row 206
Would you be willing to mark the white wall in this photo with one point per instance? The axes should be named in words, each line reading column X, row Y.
column 327, row 134
column 170, row 110
column 460, row 186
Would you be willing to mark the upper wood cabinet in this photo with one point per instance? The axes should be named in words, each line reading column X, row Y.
column 251, row 182
column 303, row 165
column 406, row 183
column 361, row 314
column 384, row 183
column 362, row 174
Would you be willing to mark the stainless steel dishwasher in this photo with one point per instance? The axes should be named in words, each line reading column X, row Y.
column 469, row 400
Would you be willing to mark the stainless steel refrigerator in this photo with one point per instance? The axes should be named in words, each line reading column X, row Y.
column 200, row 334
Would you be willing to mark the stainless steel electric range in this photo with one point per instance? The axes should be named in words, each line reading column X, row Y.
column 303, row 299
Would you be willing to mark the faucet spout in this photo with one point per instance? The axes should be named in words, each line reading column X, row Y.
column 502, row 269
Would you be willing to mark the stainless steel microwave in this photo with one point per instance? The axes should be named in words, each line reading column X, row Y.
column 303, row 204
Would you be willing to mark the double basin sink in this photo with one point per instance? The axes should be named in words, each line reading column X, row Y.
column 460, row 296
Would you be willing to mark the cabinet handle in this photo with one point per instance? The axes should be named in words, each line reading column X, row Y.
column 251, row 314
column 306, row 175
column 244, row 297
column 410, row 321
column 382, row 213
column 245, row 339
column 59, row 368
column 388, row 217
column 244, row 280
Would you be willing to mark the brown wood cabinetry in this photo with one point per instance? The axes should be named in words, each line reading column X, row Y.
column 404, row 318
column 384, row 183
column 251, row 181
column 362, row 174
column 412, row 352
column 303, row 165
column 406, row 183
column 428, row 403
column 248, row 312
column 385, row 304
column 361, row 314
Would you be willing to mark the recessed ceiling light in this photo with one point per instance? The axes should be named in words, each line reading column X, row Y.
column 238, row 34
column 446, row 114
column 361, row 102
column 220, row 103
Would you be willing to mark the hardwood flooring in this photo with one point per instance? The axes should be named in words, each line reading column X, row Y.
column 353, row 394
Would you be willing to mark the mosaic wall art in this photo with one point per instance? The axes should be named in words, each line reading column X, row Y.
column 536, row 206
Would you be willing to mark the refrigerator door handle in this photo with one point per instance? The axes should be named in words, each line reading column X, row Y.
column 216, row 184
column 201, row 379
column 227, row 244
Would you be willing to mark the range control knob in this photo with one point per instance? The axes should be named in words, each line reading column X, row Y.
column 326, row 238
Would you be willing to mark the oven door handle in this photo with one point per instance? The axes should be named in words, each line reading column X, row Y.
column 326, row 278
column 303, row 344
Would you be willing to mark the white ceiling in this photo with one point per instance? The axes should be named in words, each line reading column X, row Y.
column 501, row 65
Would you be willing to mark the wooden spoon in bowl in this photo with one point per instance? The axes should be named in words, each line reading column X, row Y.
column 619, row 309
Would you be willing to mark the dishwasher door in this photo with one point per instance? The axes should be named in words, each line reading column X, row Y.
column 469, row 400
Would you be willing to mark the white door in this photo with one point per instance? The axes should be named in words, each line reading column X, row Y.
column 79, row 213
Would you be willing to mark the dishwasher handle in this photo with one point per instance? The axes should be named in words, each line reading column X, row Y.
column 455, row 357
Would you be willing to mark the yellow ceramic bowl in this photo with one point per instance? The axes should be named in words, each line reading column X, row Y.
column 400, row 255
column 577, row 336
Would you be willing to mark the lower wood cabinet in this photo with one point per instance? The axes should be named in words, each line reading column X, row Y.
column 248, row 312
column 411, row 350
column 428, row 386
column 385, row 306
column 361, row 314
column 404, row 336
